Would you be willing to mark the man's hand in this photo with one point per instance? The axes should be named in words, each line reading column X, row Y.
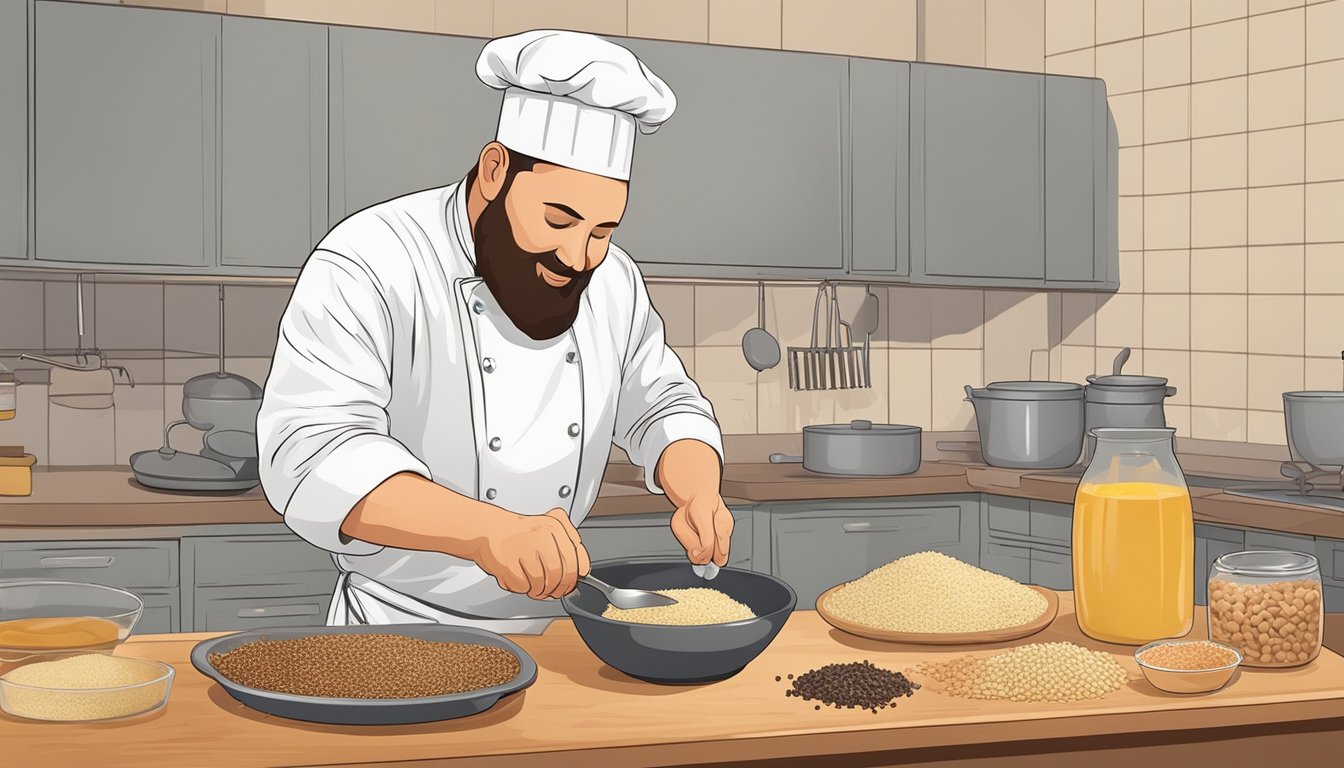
column 540, row 556
column 704, row 527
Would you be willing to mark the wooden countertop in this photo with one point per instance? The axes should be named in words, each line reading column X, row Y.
column 580, row 711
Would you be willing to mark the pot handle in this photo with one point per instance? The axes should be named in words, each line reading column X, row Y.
column 968, row 389
column 1170, row 391
column 781, row 458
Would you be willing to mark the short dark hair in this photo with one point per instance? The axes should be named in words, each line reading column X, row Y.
column 518, row 163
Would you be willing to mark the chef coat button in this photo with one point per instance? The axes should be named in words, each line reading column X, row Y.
column 490, row 494
column 573, row 430
column 478, row 306
column 488, row 364
column 571, row 357
column 564, row 491
column 495, row 443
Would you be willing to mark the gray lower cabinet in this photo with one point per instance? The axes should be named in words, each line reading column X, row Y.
column 1211, row 543
column 273, row 141
column 14, row 129
column 246, row 582
column 125, row 564
column 625, row 536
column 1330, row 553
column 814, row 546
column 222, row 609
column 1006, row 558
column 407, row 113
column 879, row 130
column 125, row 135
column 1028, row 540
column 162, row 614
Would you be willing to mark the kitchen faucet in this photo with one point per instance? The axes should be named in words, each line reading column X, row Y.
column 81, row 354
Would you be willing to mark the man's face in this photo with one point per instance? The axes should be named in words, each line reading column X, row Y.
column 539, row 240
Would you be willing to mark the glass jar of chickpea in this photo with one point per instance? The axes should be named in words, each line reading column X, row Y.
column 1269, row 604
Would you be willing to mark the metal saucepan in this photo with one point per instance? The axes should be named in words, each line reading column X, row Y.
column 858, row 448
column 1029, row 424
column 1315, row 424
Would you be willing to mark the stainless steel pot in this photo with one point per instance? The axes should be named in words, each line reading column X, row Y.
column 1029, row 424
column 1315, row 424
column 1124, row 400
column 223, row 401
column 858, row 448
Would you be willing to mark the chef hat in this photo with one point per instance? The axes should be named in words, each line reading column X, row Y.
column 573, row 99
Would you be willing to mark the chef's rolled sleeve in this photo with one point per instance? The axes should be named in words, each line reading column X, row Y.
column 670, row 429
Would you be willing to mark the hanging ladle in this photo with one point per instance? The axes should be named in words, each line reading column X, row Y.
column 759, row 347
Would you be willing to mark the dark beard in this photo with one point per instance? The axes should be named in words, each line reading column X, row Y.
column 534, row 307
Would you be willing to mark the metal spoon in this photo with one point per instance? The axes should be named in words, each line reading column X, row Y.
column 759, row 347
column 626, row 599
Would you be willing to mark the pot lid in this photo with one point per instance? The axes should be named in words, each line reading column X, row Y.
column 179, row 466
column 221, row 386
column 860, row 426
column 1030, row 390
column 1127, row 380
column 1323, row 395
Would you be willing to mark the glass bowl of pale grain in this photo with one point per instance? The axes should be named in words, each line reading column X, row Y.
column 45, row 617
column 84, row 687
column 1188, row 666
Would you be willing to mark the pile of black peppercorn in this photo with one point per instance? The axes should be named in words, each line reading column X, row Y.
column 848, row 686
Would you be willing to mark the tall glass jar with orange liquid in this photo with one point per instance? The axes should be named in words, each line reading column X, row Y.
column 1133, row 540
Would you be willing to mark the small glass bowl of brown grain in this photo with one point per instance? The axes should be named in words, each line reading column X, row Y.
column 85, row 687
column 1188, row 666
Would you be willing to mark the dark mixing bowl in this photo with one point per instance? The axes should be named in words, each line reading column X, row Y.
column 676, row 654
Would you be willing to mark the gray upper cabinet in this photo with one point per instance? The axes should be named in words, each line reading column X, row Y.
column 273, row 142
column 879, row 129
column 125, row 135
column 749, row 177
column 976, row 183
column 1076, row 219
column 14, row 129
column 407, row 114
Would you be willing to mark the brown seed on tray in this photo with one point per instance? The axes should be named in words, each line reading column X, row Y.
column 372, row 666
column 858, row 684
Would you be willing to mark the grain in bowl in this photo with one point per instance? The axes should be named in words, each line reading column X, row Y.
column 85, row 687
column 696, row 606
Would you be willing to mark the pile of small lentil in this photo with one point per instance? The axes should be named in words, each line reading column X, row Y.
column 1188, row 656
column 74, row 682
column 1274, row 625
column 847, row 686
column 695, row 606
column 372, row 666
column 933, row 593
column 1036, row 672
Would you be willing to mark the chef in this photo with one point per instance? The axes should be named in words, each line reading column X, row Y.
column 454, row 365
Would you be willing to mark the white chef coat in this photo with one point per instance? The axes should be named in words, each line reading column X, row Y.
column 394, row 357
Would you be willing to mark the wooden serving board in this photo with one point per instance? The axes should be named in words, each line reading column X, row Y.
column 944, row 638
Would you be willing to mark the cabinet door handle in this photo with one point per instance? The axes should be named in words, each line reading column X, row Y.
column 869, row 528
column 77, row 561
column 279, row 610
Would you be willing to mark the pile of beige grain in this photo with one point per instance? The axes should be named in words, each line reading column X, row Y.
column 694, row 606
column 89, row 686
column 1038, row 672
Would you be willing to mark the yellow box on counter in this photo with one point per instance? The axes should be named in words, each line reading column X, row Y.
column 16, row 475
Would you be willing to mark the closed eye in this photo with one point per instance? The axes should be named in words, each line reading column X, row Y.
column 602, row 236
column 560, row 225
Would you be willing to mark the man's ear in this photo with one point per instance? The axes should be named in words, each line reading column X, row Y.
column 492, row 169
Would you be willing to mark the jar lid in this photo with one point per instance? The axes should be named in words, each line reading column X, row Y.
column 1268, row 562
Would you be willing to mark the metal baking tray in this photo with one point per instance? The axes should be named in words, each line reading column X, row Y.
column 340, row 711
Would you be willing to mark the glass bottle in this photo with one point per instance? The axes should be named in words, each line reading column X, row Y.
column 1133, row 540
column 1269, row 604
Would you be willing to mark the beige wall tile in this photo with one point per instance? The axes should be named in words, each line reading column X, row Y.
column 879, row 28
column 1325, row 31
column 252, row 318
column 128, row 316
column 687, row 357
column 1104, row 359
column 753, row 23
column 1275, row 269
column 247, row 7
column 868, row 403
column 1323, row 373
column 723, row 313
column 1120, row 320
column 1217, row 323
column 21, row 308
column 1166, row 322
column 789, row 312
column 1277, row 40
column 784, row 410
column 28, row 428
column 1325, row 268
column 1174, row 366
column 1265, row 6
column 1078, row 324
column 1166, row 222
column 1131, row 271
column 184, row 438
column 675, row 304
column 1016, row 324
column 1131, row 171
column 1166, row 114
column 1326, row 337
column 1162, row 15
column 1077, row 363
column 1266, row 427
column 1131, row 223
column 1218, row 424
column 1218, row 379
column 138, row 419
column 1121, row 66
column 1069, row 25
column 415, row 15
column 1166, row 168
column 1166, row 59
column 606, row 17
column 1178, row 418
column 1275, row 215
column 1218, row 162
column 957, row 318
column 954, row 32
column 1325, row 151
column 1275, row 99
column 669, row 19
column 1277, row 156
column 1166, row 272
column 1218, row 50
column 1208, row 11
column 1128, row 113
column 1218, row 107
column 1079, row 63
column 258, row 369
column 730, row 385
column 1015, row 34
column 910, row 320
column 953, row 369
column 464, row 17
column 1325, row 91
column 82, row 437
column 910, row 383
column 1119, row 20
column 1218, row 270
column 1276, row 325
column 1325, row 212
